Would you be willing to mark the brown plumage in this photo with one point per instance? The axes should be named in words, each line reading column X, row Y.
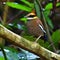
column 35, row 26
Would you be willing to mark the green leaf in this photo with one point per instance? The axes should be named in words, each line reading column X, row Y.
column 49, row 6
column 2, row 58
column 28, row 3
column 58, row 4
column 23, row 19
column 56, row 37
column 37, row 8
column 19, row 6
column 46, row 13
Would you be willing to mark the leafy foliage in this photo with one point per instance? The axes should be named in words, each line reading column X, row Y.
column 23, row 19
column 56, row 37
column 29, row 9
column 58, row 4
column 12, row 55
column 43, row 43
column 2, row 58
column 28, row 3
column 49, row 6
column 46, row 13
column 19, row 6
column 37, row 8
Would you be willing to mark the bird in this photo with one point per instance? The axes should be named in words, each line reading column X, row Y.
column 35, row 26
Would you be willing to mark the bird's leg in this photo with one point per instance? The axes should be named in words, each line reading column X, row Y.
column 38, row 38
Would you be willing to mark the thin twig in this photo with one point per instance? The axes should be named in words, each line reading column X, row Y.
column 5, row 14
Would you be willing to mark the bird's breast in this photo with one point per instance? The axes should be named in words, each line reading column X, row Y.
column 33, row 28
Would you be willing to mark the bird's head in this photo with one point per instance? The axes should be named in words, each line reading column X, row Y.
column 31, row 16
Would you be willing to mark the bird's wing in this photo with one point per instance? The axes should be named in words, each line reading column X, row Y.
column 42, row 28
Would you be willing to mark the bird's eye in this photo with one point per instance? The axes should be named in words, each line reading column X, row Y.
column 31, row 16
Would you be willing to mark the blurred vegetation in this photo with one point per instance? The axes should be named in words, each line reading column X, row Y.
column 16, row 21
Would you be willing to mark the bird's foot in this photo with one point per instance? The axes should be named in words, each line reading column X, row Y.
column 38, row 38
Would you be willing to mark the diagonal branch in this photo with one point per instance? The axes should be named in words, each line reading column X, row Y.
column 27, row 45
